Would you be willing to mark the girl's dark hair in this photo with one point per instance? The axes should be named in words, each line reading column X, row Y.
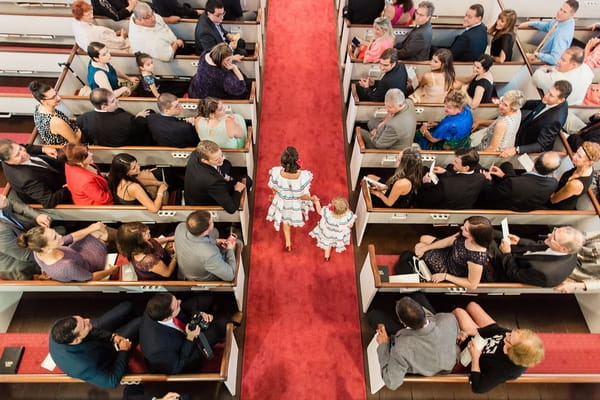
column 33, row 239
column 38, row 89
column 289, row 160
column 140, row 57
column 94, row 49
column 410, row 167
column 207, row 106
column 485, row 60
column 121, row 164
column 481, row 229
column 447, row 61
column 130, row 240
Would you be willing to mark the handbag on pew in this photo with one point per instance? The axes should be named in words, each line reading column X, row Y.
column 410, row 268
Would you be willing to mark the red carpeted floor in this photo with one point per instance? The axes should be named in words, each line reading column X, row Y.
column 303, row 333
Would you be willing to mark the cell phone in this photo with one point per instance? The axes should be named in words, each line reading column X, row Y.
column 355, row 41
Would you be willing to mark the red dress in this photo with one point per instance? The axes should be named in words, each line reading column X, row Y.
column 86, row 187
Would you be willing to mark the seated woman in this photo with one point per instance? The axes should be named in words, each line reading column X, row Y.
column 114, row 9
column 453, row 131
column 591, row 53
column 383, row 38
column 399, row 12
column 218, row 76
column 503, row 36
column 79, row 256
column 574, row 182
column 505, row 355
column 401, row 188
column 501, row 132
column 85, row 31
column 84, row 180
column 53, row 126
column 150, row 260
column 212, row 123
column 435, row 85
column 128, row 184
column 458, row 258
column 102, row 74
column 480, row 85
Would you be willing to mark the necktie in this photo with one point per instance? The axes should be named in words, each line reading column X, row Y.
column 41, row 163
column 220, row 172
column 12, row 220
column 179, row 323
column 538, row 110
column 543, row 42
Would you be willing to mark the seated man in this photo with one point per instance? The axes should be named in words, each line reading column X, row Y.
column 363, row 11
column 545, row 263
column 201, row 255
column 417, row 44
column 149, row 34
column 539, row 127
column 210, row 31
column 394, row 77
column 459, row 186
column 172, row 11
column 422, row 342
column 234, row 11
column 397, row 129
column 570, row 67
column 34, row 177
column 109, row 125
column 472, row 42
column 589, row 133
column 166, row 127
column 17, row 218
column 558, row 37
column 168, row 343
column 207, row 180
column 525, row 192
column 586, row 275
column 95, row 351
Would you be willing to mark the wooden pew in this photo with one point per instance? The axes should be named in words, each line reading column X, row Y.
column 366, row 214
column 34, row 62
column 227, row 371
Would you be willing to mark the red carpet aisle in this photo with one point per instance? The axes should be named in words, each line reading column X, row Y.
column 303, row 334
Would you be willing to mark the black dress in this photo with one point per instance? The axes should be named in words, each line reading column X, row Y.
column 504, row 42
column 113, row 9
column 570, row 203
column 488, row 89
column 453, row 259
column 405, row 201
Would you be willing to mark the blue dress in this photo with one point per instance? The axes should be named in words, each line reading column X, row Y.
column 453, row 132
column 111, row 75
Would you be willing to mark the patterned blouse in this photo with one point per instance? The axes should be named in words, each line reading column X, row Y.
column 42, row 123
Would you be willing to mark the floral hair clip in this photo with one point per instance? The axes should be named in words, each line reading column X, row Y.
column 299, row 163
column 332, row 207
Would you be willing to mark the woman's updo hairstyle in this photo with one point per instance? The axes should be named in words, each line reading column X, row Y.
column 74, row 153
column 94, row 49
column 289, row 160
column 33, row 239
column 38, row 89
column 207, row 106
column 219, row 53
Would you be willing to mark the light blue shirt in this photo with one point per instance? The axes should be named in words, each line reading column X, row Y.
column 558, row 42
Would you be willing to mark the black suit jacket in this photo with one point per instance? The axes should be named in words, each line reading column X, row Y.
column 395, row 78
column 536, row 135
column 470, row 44
column 171, row 131
column 523, row 192
column 417, row 44
column 540, row 270
column 453, row 191
column 166, row 349
column 363, row 11
column 204, row 186
column 589, row 133
column 207, row 34
column 113, row 129
column 39, row 185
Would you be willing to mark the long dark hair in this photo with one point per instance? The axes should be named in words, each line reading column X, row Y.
column 130, row 240
column 481, row 230
column 121, row 164
column 410, row 167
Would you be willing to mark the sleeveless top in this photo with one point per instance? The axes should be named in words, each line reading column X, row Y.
column 504, row 42
column 570, row 203
column 434, row 93
column 404, row 201
column 508, row 140
column 143, row 266
column 398, row 11
column 118, row 200
column 488, row 89
column 111, row 74
column 42, row 123
column 218, row 133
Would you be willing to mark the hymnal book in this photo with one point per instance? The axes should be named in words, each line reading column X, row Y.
column 374, row 184
column 11, row 356
column 526, row 162
column 465, row 355
column 405, row 278
column 384, row 273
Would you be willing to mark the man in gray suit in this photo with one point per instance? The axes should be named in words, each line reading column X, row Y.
column 17, row 218
column 201, row 255
column 397, row 129
column 421, row 342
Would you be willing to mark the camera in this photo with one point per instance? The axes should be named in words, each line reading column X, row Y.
column 197, row 320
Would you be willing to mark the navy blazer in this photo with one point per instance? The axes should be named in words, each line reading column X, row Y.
column 207, row 35
column 470, row 44
column 204, row 186
column 172, row 131
column 536, row 135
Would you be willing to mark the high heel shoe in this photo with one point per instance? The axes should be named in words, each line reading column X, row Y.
column 288, row 248
column 326, row 258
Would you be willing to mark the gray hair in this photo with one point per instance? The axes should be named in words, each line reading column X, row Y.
column 429, row 6
column 575, row 241
column 140, row 10
column 394, row 97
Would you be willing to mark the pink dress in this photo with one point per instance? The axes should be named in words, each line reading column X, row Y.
column 373, row 54
column 593, row 59
column 398, row 11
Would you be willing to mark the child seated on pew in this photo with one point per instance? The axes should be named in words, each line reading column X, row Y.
column 149, row 83
column 334, row 227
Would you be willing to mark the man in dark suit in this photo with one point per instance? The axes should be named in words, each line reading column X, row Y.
column 545, row 264
column 209, row 31
column 472, row 42
column 539, row 128
column 525, row 192
column 363, row 11
column 417, row 44
column 207, row 180
column 589, row 133
column 394, row 77
column 166, row 338
column 34, row 177
column 17, row 218
column 111, row 126
column 167, row 129
column 459, row 186
column 95, row 351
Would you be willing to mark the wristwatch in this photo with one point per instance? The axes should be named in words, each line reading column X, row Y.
column 517, row 150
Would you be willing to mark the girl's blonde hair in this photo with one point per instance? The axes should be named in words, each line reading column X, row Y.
column 340, row 205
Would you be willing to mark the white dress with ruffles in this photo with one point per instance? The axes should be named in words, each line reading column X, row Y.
column 286, row 206
column 333, row 231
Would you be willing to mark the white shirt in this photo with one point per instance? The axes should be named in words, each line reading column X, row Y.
column 579, row 78
column 155, row 41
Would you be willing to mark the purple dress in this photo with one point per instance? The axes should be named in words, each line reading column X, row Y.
column 80, row 260
column 143, row 266
column 216, row 82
